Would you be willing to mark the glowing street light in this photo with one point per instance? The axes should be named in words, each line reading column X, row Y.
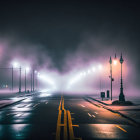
column 93, row 69
column 16, row 65
column 100, row 67
column 115, row 60
column 36, row 80
column 27, row 69
column 110, row 61
column 111, row 78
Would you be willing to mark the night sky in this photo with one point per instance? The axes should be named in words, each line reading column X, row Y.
column 62, row 34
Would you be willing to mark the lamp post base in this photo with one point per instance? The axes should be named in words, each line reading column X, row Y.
column 121, row 97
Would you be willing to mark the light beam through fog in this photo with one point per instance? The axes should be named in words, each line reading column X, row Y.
column 81, row 77
column 65, row 46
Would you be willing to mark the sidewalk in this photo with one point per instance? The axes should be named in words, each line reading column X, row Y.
column 5, row 103
column 132, row 112
column 7, row 99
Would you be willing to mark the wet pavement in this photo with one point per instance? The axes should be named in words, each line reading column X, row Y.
column 38, row 117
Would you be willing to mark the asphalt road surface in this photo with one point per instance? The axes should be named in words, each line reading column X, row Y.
column 60, row 117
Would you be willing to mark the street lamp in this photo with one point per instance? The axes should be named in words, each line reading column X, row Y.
column 36, row 79
column 100, row 68
column 115, row 60
column 12, row 78
column 111, row 79
column 27, row 69
column 31, row 82
column 121, row 96
column 16, row 65
column 20, row 79
column 110, row 61
column 33, row 76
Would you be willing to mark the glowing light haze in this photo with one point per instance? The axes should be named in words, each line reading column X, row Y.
column 69, row 44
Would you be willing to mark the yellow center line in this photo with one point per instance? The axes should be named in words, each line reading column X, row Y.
column 58, row 129
column 71, row 134
column 75, row 125
column 65, row 125
column 67, row 120
column 121, row 128
column 59, row 108
column 63, row 104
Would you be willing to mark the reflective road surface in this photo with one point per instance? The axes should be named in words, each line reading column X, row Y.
column 59, row 117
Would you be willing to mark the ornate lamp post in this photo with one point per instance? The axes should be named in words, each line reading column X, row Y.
column 121, row 96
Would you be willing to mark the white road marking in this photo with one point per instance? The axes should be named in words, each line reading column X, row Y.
column 82, row 105
column 89, row 114
column 36, row 105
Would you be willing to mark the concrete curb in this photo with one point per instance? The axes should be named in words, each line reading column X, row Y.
column 98, row 101
column 137, row 124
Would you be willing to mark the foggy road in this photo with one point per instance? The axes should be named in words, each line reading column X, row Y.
column 54, row 54
column 48, row 116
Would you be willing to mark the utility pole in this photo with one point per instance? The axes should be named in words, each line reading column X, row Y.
column 33, row 81
column 25, row 80
column 36, row 82
column 12, row 78
column 111, row 79
column 20, row 79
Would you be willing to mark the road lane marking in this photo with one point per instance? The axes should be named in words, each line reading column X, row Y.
column 9, row 114
column 63, row 104
column 115, row 113
column 58, row 129
column 46, row 103
column 36, row 105
column 75, row 125
column 71, row 133
column 59, row 108
column 121, row 128
column 28, row 105
column 66, row 124
column 93, row 116
column 82, row 105
column 18, row 115
column 96, row 112
column 59, row 125
column 72, row 113
column 89, row 114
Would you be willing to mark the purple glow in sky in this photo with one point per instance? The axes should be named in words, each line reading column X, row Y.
column 65, row 40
